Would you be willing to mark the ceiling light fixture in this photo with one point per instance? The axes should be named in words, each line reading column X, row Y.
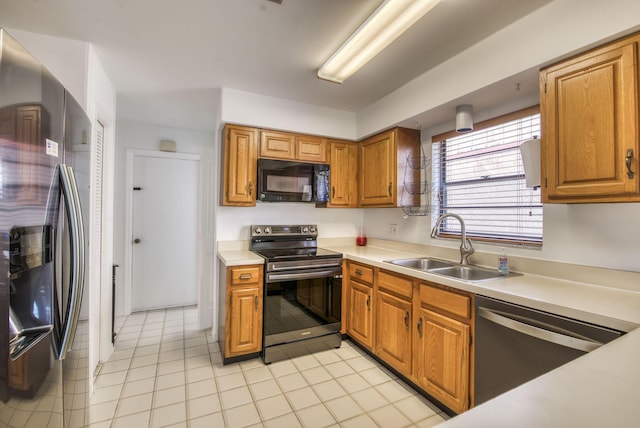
column 464, row 118
column 383, row 26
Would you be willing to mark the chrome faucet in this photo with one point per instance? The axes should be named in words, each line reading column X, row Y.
column 465, row 245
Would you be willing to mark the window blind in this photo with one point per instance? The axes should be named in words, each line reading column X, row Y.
column 479, row 176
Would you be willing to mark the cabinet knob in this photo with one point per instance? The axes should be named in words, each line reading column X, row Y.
column 358, row 272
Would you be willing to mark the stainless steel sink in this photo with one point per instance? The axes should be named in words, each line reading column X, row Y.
column 450, row 269
column 469, row 273
column 423, row 263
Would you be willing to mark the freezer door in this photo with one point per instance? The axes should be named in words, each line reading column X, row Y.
column 31, row 147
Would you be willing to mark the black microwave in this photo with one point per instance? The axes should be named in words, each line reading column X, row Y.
column 290, row 181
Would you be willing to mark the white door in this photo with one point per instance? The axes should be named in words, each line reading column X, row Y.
column 165, row 203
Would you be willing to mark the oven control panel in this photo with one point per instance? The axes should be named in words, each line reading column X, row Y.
column 303, row 230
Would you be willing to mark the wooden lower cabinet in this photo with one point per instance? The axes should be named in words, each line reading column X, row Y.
column 442, row 358
column 241, row 312
column 421, row 330
column 245, row 320
column 393, row 333
column 359, row 313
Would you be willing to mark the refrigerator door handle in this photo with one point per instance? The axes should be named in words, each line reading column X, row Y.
column 77, row 262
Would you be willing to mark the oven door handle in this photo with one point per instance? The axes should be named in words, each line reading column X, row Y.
column 539, row 333
column 276, row 277
column 329, row 264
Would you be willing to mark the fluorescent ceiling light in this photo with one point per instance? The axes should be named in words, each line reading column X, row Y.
column 383, row 26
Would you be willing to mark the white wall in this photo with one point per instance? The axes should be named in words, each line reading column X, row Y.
column 555, row 30
column 245, row 108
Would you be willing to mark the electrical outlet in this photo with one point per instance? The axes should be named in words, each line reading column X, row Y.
column 393, row 229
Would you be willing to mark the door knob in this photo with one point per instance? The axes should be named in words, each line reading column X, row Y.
column 137, row 241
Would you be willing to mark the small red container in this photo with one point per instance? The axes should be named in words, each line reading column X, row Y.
column 361, row 240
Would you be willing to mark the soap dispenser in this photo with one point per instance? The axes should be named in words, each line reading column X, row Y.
column 503, row 262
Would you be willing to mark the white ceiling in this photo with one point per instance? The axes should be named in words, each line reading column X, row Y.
column 186, row 48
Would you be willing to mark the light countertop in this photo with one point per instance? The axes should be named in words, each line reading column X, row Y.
column 595, row 390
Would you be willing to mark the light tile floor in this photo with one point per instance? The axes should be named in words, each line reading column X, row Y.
column 166, row 372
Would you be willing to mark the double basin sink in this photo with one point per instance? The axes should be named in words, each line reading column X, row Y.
column 452, row 270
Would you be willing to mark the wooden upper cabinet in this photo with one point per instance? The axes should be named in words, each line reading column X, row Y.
column 240, row 165
column 589, row 118
column 311, row 149
column 279, row 145
column 284, row 145
column 382, row 163
column 343, row 161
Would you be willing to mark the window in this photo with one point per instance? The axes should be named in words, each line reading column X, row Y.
column 479, row 176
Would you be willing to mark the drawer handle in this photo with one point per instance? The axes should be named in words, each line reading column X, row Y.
column 630, row 173
column 369, row 302
column 246, row 276
column 255, row 300
column 406, row 320
column 358, row 272
column 420, row 327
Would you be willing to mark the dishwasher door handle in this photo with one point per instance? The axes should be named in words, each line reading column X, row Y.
column 540, row 333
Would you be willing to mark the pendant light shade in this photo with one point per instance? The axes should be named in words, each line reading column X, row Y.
column 464, row 118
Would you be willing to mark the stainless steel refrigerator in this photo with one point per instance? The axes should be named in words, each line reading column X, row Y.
column 44, row 146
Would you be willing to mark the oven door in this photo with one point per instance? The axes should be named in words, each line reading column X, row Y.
column 301, row 312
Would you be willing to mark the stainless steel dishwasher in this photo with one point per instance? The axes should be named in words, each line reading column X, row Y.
column 514, row 344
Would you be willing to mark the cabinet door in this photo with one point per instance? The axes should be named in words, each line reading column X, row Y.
column 393, row 333
column 311, row 149
column 589, row 111
column 278, row 145
column 244, row 320
column 377, row 162
column 240, row 166
column 344, row 169
column 442, row 359
column 360, row 316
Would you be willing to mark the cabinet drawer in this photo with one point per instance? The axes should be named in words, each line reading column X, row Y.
column 280, row 145
column 447, row 301
column 245, row 275
column 396, row 284
column 361, row 273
